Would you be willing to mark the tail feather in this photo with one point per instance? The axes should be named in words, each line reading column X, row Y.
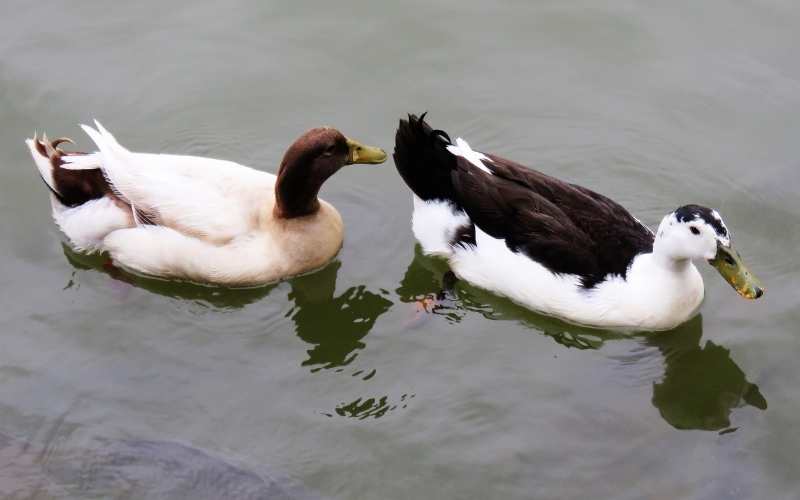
column 114, row 160
column 43, row 164
column 69, row 188
column 423, row 160
column 89, row 161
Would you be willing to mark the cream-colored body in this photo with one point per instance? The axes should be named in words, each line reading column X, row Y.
column 271, row 250
column 215, row 221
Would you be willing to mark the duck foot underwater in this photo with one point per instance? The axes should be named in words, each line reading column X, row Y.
column 434, row 303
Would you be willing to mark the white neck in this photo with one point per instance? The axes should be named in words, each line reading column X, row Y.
column 660, row 291
column 664, row 256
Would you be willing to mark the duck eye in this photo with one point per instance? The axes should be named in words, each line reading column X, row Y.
column 694, row 230
column 729, row 260
column 329, row 150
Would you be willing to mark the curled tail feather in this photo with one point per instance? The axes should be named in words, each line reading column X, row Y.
column 70, row 188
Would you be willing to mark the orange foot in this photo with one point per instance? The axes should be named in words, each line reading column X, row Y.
column 422, row 310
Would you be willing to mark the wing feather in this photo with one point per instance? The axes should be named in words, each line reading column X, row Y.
column 179, row 198
column 567, row 228
column 528, row 222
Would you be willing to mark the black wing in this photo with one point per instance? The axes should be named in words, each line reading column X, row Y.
column 567, row 228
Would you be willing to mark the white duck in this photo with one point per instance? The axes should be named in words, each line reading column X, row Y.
column 200, row 219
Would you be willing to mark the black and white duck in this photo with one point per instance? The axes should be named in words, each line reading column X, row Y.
column 556, row 247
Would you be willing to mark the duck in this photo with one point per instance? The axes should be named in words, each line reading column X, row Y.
column 555, row 247
column 198, row 219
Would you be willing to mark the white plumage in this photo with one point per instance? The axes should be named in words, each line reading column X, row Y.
column 461, row 148
column 650, row 297
column 215, row 217
column 434, row 223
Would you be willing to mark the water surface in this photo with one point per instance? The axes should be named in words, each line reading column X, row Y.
column 339, row 381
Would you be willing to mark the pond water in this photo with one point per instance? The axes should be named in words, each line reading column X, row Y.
column 338, row 382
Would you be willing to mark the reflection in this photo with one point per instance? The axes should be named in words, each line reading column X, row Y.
column 434, row 291
column 334, row 325
column 363, row 409
column 428, row 285
column 701, row 385
column 699, row 388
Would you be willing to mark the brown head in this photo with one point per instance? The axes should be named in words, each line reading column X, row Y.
column 309, row 162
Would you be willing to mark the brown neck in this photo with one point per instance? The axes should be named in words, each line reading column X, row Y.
column 296, row 191
column 306, row 165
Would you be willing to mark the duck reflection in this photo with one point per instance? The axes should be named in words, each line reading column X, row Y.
column 334, row 324
column 434, row 291
column 699, row 388
column 700, row 385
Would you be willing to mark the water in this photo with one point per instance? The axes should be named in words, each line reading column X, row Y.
column 337, row 381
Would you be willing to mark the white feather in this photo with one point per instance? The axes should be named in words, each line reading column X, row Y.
column 434, row 224
column 162, row 251
column 461, row 148
column 82, row 162
column 726, row 240
column 654, row 296
column 87, row 225
column 42, row 164
column 202, row 197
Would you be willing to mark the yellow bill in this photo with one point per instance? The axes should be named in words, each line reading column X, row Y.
column 360, row 153
column 729, row 264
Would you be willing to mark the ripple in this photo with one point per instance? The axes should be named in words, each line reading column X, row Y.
column 371, row 408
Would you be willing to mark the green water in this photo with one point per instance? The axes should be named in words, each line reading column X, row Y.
column 338, row 380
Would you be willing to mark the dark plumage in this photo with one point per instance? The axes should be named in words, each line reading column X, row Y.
column 688, row 213
column 565, row 227
column 464, row 235
column 422, row 160
column 71, row 187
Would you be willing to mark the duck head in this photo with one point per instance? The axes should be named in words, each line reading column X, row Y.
column 694, row 232
column 309, row 162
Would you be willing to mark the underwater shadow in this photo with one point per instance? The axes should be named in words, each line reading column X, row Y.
column 40, row 458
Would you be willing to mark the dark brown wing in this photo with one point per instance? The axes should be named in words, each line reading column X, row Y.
column 567, row 228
